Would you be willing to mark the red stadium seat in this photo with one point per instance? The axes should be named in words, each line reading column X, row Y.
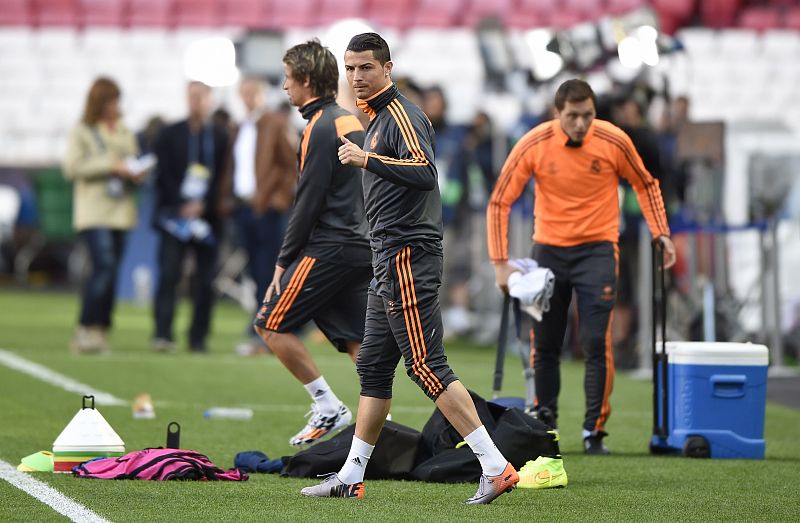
column 245, row 13
column 792, row 18
column 759, row 18
column 437, row 13
column 15, row 12
column 529, row 14
column 391, row 13
column 617, row 7
column 101, row 12
column 477, row 10
column 717, row 14
column 150, row 13
column 595, row 8
column 293, row 13
column 566, row 19
column 672, row 14
column 55, row 12
column 331, row 11
column 196, row 13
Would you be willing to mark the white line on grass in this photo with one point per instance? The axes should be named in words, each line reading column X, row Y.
column 40, row 372
column 48, row 495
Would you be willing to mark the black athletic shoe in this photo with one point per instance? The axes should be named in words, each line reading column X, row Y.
column 593, row 444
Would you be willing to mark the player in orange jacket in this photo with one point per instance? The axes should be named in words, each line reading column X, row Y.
column 576, row 161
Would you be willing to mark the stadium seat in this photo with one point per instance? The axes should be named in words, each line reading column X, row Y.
column 759, row 18
column 437, row 13
column 101, row 12
column 672, row 14
column 717, row 14
column 296, row 13
column 530, row 14
column 738, row 44
column 149, row 13
column 565, row 19
column 15, row 12
column 792, row 18
column 478, row 10
column 617, row 7
column 196, row 13
column 390, row 13
column 55, row 12
column 331, row 11
column 245, row 13
column 780, row 43
column 586, row 8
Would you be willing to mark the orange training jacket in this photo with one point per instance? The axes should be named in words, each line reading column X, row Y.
column 576, row 187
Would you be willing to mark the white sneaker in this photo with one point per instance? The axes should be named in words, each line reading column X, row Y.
column 332, row 487
column 319, row 426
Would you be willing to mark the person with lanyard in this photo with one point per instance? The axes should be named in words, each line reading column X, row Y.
column 190, row 156
column 324, row 266
column 404, row 319
column 577, row 161
column 104, row 207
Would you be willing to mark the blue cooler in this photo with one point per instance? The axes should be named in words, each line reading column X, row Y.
column 715, row 400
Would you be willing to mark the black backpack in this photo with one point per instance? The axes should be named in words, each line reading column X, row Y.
column 404, row 453
column 517, row 435
column 393, row 458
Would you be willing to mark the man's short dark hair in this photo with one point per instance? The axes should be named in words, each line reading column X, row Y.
column 316, row 63
column 574, row 91
column 370, row 42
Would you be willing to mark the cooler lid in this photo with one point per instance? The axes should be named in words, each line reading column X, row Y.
column 717, row 353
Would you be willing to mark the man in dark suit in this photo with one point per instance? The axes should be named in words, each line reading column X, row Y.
column 191, row 154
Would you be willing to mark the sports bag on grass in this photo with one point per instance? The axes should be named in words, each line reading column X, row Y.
column 517, row 435
column 157, row 464
column 393, row 458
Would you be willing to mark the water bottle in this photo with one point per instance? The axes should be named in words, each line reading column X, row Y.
column 173, row 435
column 228, row 413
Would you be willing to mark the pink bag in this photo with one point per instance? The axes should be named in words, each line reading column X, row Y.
column 157, row 464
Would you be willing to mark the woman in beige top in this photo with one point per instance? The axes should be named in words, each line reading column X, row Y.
column 103, row 203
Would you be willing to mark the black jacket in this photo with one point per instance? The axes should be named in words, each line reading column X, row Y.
column 401, row 189
column 173, row 151
column 327, row 220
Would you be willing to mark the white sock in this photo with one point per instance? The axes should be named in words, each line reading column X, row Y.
column 492, row 461
column 353, row 469
column 323, row 396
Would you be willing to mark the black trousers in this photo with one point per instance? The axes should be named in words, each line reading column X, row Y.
column 404, row 319
column 171, row 253
column 591, row 271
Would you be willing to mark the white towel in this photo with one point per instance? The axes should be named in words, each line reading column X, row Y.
column 532, row 285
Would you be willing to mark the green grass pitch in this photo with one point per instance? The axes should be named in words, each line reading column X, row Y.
column 629, row 485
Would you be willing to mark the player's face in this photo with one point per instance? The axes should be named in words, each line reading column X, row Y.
column 365, row 74
column 576, row 118
column 297, row 91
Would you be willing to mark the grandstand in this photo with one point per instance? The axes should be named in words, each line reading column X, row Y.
column 52, row 49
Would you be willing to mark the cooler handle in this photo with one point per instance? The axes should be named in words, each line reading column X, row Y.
column 728, row 385
column 84, row 402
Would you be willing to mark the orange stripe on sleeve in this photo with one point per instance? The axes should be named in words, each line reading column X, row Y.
column 401, row 111
column 517, row 171
column 347, row 124
column 409, row 136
